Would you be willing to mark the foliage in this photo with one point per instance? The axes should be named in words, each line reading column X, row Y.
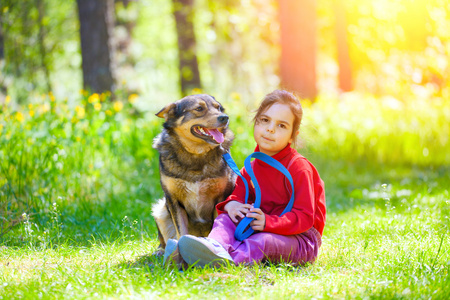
column 382, row 130
column 37, row 41
column 392, row 44
column 73, row 156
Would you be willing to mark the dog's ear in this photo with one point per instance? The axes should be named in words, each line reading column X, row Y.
column 166, row 111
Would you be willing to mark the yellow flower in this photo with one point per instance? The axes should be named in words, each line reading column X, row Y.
column 94, row 98
column 31, row 112
column 80, row 111
column 97, row 106
column 78, row 138
column 45, row 107
column 235, row 96
column 74, row 120
column 108, row 112
column 52, row 98
column 8, row 99
column 132, row 98
column 20, row 117
column 84, row 92
column 1, row 127
column 196, row 91
column 118, row 105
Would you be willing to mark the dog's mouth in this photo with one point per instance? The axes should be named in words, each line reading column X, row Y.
column 214, row 135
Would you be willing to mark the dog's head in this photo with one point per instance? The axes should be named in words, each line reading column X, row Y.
column 197, row 120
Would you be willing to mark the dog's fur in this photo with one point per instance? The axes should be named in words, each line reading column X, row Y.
column 194, row 176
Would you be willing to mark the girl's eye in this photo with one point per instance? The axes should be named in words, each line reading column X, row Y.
column 200, row 108
column 282, row 126
column 264, row 120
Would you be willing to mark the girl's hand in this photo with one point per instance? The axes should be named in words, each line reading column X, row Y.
column 237, row 209
column 259, row 221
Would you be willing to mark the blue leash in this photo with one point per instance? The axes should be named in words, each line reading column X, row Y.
column 240, row 233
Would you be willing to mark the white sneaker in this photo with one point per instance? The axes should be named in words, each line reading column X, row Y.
column 172, row 254
column 202, row 251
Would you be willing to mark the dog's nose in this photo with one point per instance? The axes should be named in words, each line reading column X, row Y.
column 223, row 119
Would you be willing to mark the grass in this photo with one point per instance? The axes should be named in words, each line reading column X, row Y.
column 85, row 180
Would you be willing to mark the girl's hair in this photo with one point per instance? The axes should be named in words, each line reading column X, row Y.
column 282, row 97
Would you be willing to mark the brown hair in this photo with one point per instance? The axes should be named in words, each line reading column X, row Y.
column 282, row 97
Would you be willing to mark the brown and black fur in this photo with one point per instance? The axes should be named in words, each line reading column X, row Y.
column 194, row 176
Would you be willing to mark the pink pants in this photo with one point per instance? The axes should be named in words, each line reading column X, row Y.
column 265, row 246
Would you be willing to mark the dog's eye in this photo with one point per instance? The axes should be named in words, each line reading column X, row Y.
column 221, row 109
column 200, row 108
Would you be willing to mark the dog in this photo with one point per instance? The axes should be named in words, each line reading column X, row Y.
column 194, row 176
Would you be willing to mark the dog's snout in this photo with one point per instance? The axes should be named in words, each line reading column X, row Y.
column 223, row 119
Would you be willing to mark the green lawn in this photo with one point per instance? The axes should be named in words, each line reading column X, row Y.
column 86, row 183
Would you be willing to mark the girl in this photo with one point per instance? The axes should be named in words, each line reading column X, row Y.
column 294, row 237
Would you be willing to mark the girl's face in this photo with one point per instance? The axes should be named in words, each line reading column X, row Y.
column 273, row 129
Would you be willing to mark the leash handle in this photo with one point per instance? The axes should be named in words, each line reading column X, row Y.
column 241, row 233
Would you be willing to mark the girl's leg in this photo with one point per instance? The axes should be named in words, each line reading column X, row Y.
column 263, row 246
column 212, row 250
column 276, row 248
column 223, row 232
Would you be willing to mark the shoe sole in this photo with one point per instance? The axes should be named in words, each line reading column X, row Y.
column 195, row 252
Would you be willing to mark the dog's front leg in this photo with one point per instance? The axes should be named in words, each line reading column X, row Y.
column 179, row 217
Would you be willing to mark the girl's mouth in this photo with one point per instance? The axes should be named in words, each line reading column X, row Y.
column 267, row 139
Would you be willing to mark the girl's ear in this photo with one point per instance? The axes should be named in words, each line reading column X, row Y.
column 295, row 136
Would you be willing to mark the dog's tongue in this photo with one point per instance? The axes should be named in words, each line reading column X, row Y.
column 217, row 135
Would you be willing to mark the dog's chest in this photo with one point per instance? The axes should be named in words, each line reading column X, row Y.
column 198, row 198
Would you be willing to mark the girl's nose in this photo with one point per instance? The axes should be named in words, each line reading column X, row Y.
column 270, row 128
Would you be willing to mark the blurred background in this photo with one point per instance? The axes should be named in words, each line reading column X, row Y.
column 81, row 80
column 163, row 49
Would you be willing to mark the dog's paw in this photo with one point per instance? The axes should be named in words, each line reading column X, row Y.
column 159, row 252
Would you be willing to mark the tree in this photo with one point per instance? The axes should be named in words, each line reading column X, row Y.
column 3, row 89
column 298, row 46
column 96, row 25
column 26, row 65
column 345, row 71
column 183, row 12
column 41, row 41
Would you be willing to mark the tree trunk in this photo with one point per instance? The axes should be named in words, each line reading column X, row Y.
column 298, row 46
column 2, row 43
column 3, row 89
column 42, row 49
column 183, row 11
column 96, row 25
column 345, row 70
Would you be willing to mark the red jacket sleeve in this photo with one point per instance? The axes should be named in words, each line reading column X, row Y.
column 301, row 217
